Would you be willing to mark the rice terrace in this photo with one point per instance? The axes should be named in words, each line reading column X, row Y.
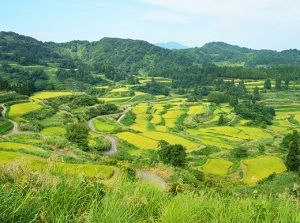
column 102, row 138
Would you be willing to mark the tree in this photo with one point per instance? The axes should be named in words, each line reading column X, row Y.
column 267, row 84
column 278, row 84
column 240, row 152
column 256, row 96
column 78, row 134
column 172, row 154
column 293, row 157
column 222, row 120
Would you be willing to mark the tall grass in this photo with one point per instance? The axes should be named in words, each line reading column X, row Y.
column 43, row 197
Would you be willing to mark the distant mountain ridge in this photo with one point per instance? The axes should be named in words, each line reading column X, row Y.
column 134, row 56
column 172, row 45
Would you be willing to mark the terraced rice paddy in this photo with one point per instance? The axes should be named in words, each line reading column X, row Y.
column 217, row 166
column 171, row 117
column 194, row 110
column 54, row 131
column 156, row 119
column 138, row 140
column 31, row 161
column 120, row 90
column 18, row 110
column 172, row 139
column 261, row 167
column 115, row 99
column 103, row 126
column 50, row 94
column 231, row 133
column 19, row 147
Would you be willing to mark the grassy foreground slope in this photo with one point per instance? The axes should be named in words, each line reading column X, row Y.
column 44, row 197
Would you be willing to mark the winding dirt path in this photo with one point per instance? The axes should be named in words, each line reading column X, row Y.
column 15, row 130
column 113, row 142
column 124, row 113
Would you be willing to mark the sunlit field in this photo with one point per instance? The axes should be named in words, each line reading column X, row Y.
column 54, row 131
column 20, row 146
column 138, row 140
column 261, row 167
column 18, row 110
column 172, row 139
column 103, row 126
column 217, row 166
column 194, row 110
column 50, row 94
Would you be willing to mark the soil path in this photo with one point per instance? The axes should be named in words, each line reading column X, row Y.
column 15, row 130
column 113, row 142
column 124, row 113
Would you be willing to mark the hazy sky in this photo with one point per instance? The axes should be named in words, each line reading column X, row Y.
column 258, row 24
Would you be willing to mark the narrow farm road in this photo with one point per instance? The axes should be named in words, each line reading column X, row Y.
column 113, row 142
column 124, row 113
column 15, row 130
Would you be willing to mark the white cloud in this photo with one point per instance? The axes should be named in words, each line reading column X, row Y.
column 233, row 12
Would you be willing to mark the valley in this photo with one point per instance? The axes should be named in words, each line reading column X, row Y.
column 131, row 138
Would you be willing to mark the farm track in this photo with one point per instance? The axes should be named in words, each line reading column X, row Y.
column 124, row 113
column 113, row 141
column 15, row 130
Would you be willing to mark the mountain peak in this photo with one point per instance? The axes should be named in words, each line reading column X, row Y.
column 172, row 45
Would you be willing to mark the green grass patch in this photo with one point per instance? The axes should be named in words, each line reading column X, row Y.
column 5, row 125
column 88, row 170
column 103, row 126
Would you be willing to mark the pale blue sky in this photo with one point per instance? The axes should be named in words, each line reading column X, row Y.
column 258, row 24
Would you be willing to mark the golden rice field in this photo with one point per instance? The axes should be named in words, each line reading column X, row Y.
column 161, row 128
column 139, row 141
column 18, row 110
column 54, row 131
column 115, row 99
column 156, row 119
column 217, row 166
column 215, row 141
column 158, row 108
column 31, row 161
column 140, row 108
column 172, row 139
column 50, row 94
column 20, row 146
column 37, row 163
column 141, row 123
column 231, row 133
column 194, row 110
column 120, row 90
column 103, row 126
column 171, row 117
column 261, row 167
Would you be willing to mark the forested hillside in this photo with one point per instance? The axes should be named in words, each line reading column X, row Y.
column 225, row 54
